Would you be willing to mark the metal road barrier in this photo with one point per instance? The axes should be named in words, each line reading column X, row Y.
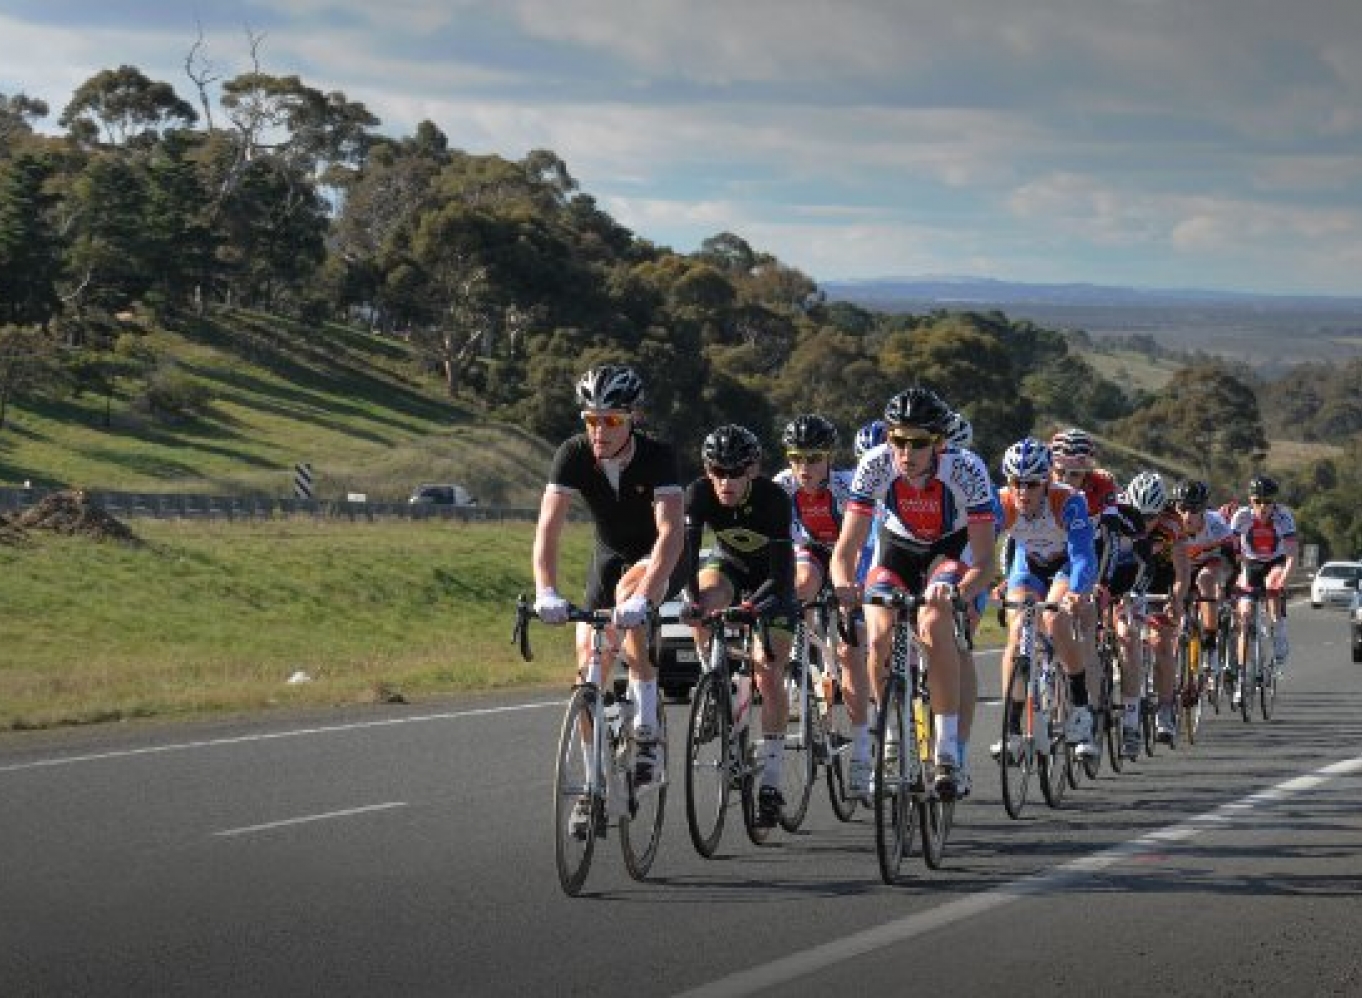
column 175, row 505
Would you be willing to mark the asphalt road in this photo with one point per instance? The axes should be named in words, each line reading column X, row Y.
column 407, row 851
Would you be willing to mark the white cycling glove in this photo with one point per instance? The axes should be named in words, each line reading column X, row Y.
column 632, row 611
column 550, row 607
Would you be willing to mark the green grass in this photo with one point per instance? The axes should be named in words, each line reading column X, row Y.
column 214, row 616
column 348, row 402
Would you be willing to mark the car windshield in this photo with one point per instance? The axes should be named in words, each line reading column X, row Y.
column 1349, row 572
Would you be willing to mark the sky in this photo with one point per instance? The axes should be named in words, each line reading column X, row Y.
column 1148, row 143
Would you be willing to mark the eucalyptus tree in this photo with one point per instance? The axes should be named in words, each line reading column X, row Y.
column 30, row 248
column 124, row 106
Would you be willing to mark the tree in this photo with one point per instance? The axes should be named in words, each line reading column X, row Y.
column 29, row 365
column 30, row 262
column 16, row 116
column 124, row 104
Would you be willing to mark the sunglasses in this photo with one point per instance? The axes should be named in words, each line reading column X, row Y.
column 806, row 456
column 911, row 441
column 610, row 420
column 725, row 474
column 1073, row 473
column 1026, row 483
column 1183, row 507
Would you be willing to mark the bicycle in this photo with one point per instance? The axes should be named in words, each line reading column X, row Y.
column 905, row 796
column 1191, row 675
column 1149, row 696
column 1224, row 659
column 1035, row 707
column 830, row 725
column 719, row 757
column 594, row 769
column 1257, row 670
column 1107, row 712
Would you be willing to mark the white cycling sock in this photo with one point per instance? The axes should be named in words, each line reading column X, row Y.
column 773, row 754
column 947, row 734
column 644, row 694
column 860, row 741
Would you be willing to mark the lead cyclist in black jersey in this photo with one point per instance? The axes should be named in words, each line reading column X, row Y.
column 631, row 486
column 752, row 520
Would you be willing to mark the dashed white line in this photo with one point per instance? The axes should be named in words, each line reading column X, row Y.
column 305, row 819
column 818, row 958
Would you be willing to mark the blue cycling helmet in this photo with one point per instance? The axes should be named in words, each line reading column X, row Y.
column 1028, row 459
column 869, row 436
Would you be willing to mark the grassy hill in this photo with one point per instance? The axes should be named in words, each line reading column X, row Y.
column 349, row 403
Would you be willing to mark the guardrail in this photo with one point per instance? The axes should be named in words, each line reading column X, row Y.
column 175, row 505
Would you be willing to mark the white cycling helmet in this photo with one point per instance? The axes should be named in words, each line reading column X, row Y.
column 1028, row 460
column 1147, row 493
column 870, row 435
column 959, row 432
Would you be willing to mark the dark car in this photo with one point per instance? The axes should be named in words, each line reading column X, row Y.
column 678, row 663
column 428, row 494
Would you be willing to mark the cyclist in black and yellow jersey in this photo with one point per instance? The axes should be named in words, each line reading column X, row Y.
column 750, row 517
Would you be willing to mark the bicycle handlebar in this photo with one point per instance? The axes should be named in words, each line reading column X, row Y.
column 525, row 612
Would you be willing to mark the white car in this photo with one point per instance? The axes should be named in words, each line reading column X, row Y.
column 1335, row 583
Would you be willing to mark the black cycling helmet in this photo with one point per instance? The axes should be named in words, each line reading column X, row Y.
column 809, row 432
column 1191, row 495
column 610, row 386
column 731, row 446
column 919, row 407
column 1262, row 487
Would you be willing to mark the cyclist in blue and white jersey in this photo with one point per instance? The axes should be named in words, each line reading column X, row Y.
column 1053, row 560
column 937, row 502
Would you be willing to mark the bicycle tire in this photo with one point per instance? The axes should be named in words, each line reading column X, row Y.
column 709, row 773
column 838, row 743
column 1192, row 695
column 934, row 814
column 895, row 820
column 1056, row 763
column 799, row 768
column 1267, row 688
column 1015, row 770
column 641, row 828
column 749, row 787
column 571, row 780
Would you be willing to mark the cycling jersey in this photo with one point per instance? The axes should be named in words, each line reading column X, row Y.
column 1209, row 543
column 752, row 539
column 933, row 517
column 1263, row 537
column 620, row 497
column 1058, row 533
column 817, row 515
column 1099, row 491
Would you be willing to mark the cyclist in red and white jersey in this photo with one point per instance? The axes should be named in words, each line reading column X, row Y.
column 936, row 502
column 1206, row 540
column 1266, row 531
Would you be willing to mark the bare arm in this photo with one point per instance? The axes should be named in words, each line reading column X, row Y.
column 982, row 542
column 553, row 510
column 668, row 511
column 850, row 541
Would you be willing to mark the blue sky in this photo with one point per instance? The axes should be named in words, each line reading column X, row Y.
column 1155, row 143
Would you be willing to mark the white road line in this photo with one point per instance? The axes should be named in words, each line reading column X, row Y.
column 818, row 958
column 270, row 736
column 348, row 812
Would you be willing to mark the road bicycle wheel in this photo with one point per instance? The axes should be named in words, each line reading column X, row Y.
column 709, row 770
column 1267, row 688
column 837, row 741
column 799, row 768
column 1213, row 678
column 934, row 814
column 641, row 827
column 574, row 845
column 749, row 785
column 1015, row 767
column 1249, row 669
column 1056, row 761
column 1189, row 692
column 895, row 807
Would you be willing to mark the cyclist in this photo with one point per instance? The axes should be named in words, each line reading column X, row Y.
column 1167, row 573
column 1206, row 539
column 1266, row 533
column 936, row 501
column 630, row 485
column 1131, row 550
column 750, row 518
column 1053, row 559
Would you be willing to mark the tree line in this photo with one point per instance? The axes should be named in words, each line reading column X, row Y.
column 508, row 280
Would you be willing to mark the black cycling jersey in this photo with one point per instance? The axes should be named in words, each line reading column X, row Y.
column 753, row 537
column 625, row 523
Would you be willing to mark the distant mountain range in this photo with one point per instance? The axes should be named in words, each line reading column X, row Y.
column 949, row 291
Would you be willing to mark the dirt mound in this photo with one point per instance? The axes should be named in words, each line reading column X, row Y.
column 72, row 513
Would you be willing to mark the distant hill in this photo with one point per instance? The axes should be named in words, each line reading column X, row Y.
column 1270, row 332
